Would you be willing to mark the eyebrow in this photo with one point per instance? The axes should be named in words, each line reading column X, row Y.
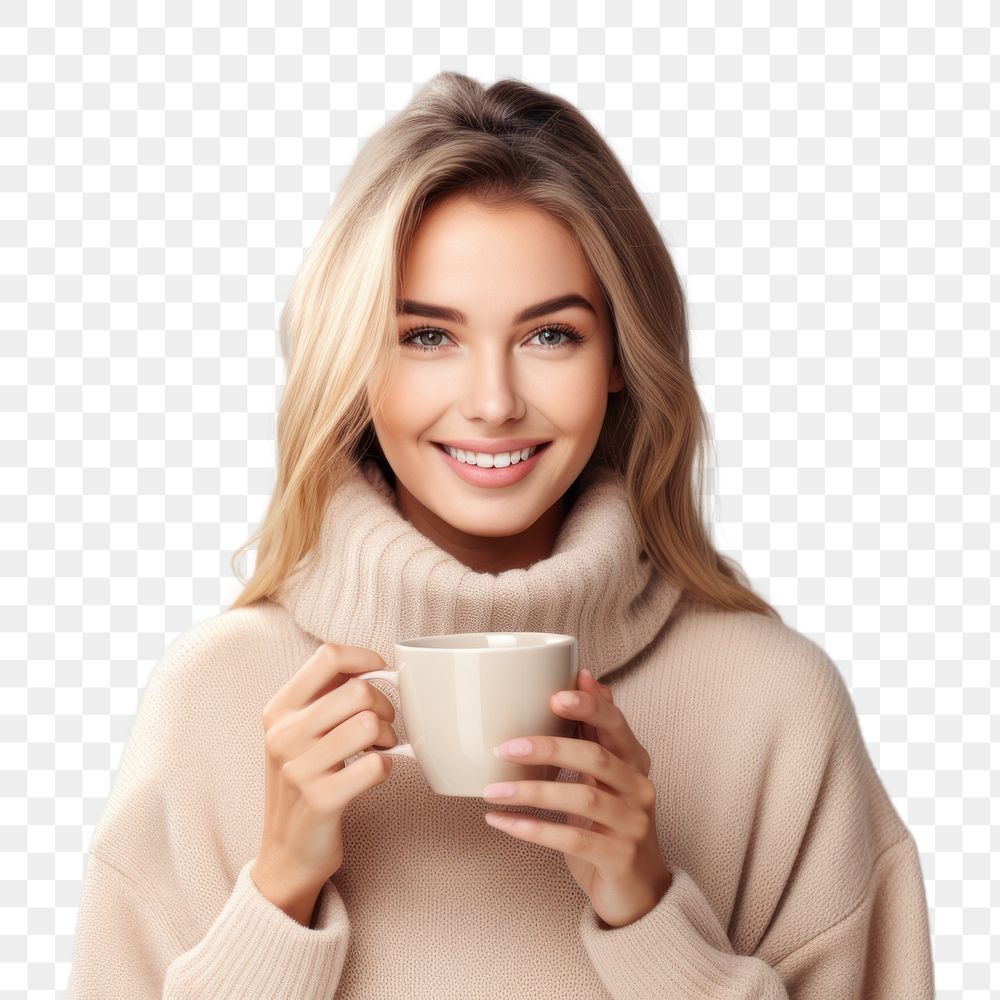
column 412, row 308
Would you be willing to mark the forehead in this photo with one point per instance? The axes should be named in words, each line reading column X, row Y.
column 512, row 254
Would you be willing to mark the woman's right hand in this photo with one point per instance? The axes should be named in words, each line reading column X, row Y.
column 320, row 717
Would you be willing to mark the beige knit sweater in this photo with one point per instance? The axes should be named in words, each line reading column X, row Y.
column 793, row 875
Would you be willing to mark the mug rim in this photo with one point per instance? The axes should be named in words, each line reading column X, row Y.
column 551, row 639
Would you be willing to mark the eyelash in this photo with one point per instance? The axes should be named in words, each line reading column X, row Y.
column 571, row 333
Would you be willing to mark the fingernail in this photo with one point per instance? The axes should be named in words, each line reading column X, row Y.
column 499, row 790
column 514, row 748
column 567, row 699
column 584, row 670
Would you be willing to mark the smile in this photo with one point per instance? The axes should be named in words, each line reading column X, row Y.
column 511, row 467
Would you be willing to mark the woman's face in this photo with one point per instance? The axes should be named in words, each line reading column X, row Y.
column 486, row 375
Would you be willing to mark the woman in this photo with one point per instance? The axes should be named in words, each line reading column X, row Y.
column 490, row 423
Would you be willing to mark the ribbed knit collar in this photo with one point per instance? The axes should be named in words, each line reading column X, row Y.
column 374, row 579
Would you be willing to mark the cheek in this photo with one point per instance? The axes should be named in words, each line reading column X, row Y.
column 408, row 403
column 574, row 399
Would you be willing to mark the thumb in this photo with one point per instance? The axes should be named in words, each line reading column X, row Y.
column 593, row 685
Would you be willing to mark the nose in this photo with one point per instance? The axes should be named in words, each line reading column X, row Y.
column 490, row 392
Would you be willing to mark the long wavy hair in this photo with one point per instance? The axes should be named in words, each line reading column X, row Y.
column 508, row 143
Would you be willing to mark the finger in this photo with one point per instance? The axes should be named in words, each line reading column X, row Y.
column 596, row 808
column 582, row 756
column 590, row 683
column 355, row 736
column 322, row 672
column 600, row 849
column 606, row 719
column 335, row 706
column 586, row 732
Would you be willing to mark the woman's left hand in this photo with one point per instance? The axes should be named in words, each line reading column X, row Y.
column 609, row 838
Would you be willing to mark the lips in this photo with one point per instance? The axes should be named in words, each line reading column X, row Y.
column 495, row 476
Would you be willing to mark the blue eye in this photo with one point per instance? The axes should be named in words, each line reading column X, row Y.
column 567, row 331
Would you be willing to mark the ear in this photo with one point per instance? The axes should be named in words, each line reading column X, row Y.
column 615, row 382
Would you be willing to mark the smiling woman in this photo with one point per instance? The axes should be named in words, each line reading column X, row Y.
column 475, row 208
column 498, row 378
column 490, row 424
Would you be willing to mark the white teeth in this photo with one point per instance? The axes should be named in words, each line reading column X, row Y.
column 488, row 461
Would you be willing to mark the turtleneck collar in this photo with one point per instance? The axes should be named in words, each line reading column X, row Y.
column 374, row 579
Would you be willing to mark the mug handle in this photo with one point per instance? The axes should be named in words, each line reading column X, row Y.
column 392, row 676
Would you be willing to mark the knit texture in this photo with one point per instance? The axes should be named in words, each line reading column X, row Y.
column 793, row 875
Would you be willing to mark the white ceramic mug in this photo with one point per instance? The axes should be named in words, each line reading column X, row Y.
column 464, row 693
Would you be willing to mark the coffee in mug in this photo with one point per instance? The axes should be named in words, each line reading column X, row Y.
column 464, row 693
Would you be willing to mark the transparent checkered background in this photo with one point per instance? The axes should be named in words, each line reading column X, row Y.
column 825, row 188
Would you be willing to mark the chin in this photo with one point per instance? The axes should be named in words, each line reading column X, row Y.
column 494, row 529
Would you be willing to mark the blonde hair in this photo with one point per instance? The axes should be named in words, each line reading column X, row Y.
column 508, row 143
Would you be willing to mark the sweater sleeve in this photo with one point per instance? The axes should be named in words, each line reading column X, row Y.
column 124, row 947
column 878, row 951
column 829, row 898
column 168, row 907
